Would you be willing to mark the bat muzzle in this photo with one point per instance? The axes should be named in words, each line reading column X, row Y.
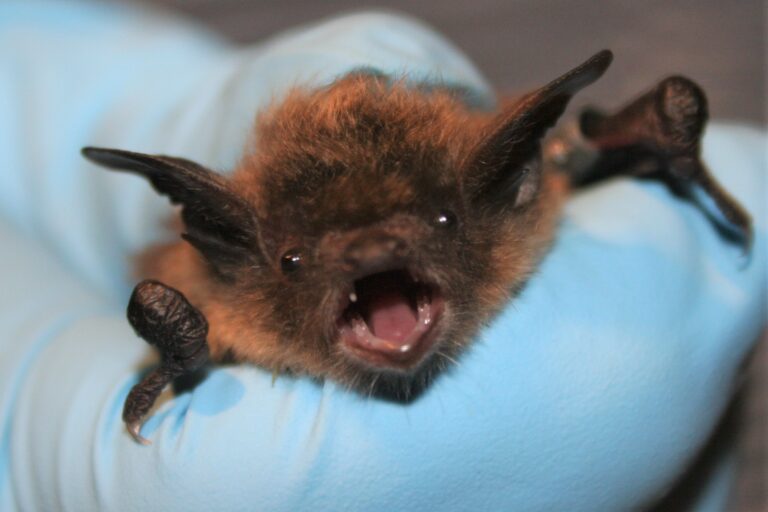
column 390, row 318
column 389, row 313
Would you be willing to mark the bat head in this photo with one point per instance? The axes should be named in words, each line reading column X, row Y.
column 373, row 227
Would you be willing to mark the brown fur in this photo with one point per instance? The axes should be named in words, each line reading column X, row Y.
column 344, row 157
column 361, row 154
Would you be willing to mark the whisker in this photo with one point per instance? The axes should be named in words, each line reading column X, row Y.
column 447, row 357
column 373, row 384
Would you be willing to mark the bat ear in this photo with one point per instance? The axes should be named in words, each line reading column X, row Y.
column 219, row 223
column 505, row 167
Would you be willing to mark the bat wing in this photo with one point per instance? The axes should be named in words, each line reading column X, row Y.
column 657, row 135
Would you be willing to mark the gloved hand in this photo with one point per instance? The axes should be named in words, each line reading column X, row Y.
column 592, row 392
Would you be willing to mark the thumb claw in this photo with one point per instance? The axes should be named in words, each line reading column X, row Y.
column 746, row 254
column 134, row 428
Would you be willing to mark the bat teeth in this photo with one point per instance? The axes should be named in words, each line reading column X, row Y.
column 353, row 297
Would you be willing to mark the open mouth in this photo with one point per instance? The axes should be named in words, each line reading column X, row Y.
column 390, row 319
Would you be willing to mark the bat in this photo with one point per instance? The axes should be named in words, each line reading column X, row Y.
column 374, row 226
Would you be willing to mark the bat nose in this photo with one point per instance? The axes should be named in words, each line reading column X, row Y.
column 374, row 252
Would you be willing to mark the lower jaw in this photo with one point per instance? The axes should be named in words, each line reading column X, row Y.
column 388, row 383
column 391, row 361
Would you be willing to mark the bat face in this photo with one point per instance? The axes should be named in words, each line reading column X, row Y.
column 364, row 225
column 381, row 262
column 369, row 232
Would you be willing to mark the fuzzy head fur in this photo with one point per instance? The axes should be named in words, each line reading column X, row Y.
column 354, row 203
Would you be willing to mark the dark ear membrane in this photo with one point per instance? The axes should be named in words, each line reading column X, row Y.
column 505, row 168
column 219, row 224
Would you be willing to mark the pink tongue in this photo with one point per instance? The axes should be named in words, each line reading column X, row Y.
column 390, row 316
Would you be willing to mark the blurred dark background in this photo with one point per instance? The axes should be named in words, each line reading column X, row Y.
column 518, row 44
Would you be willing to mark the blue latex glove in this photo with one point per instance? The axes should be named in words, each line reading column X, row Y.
column 592, row 393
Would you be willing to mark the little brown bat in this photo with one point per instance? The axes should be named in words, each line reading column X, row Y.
column 373, row 226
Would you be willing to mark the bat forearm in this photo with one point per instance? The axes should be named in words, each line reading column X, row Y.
column 164, row 318
column 657, row 135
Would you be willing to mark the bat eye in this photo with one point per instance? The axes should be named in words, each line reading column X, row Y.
column 291, row 261
column 445, row 219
